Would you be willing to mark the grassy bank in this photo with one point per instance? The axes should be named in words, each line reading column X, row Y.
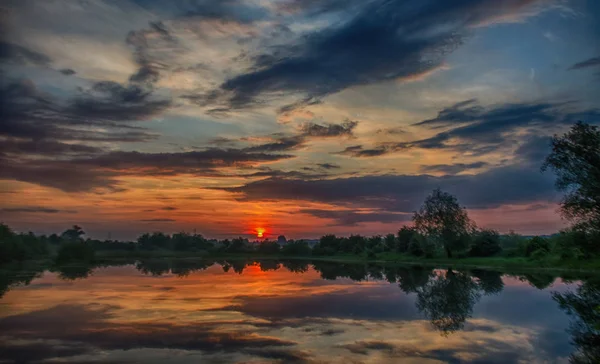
column 388, row 258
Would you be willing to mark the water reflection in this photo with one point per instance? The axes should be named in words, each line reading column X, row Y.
column 293, row 311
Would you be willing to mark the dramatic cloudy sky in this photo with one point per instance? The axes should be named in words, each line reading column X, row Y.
column 301, row 117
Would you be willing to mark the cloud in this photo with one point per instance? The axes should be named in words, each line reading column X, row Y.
column 404, row 193
column 452, row 168
column 382, row 41
column 352, row 218
column 592, row 62
column 158, row 220
column 67, row 71
column 102, row 171
column 358, row 151
column 329, row 130
column 14, row 53
column 30, row 113
column 478, row 130
column 35, row 209
column 328, row 166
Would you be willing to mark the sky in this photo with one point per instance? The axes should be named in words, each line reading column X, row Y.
column 295, row 117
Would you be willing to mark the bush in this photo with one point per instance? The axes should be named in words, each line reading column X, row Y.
column 539, row 254
column 268, row 247
column 536, row 243
column 75, row 251
column 300, row 248
column 486, row 243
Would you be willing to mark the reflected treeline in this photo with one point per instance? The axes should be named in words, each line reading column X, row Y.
column 583, row 306
column 445, row 297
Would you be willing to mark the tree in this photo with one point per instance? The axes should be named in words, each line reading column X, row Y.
column 486, row 243
column 73, row 234
column 405, row 235
column 575, row 158
column 390, row 242
column 445, row 221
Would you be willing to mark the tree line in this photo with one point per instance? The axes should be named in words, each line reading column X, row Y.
column 441, row 227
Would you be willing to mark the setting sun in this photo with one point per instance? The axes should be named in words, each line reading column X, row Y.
column 260, row 232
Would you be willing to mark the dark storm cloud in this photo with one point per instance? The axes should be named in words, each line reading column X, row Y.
column 385, row 40
column 14, row 53
column 452, row 168
column 404, row 193
column 351, row 218
column 592, row 62
column 35, row 209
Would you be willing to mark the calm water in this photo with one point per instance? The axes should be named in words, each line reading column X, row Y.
column 264, row 312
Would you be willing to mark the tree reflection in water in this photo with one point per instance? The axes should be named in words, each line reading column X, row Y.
column 445, row 297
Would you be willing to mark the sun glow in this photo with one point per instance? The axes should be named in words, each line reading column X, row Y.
column 260, row 232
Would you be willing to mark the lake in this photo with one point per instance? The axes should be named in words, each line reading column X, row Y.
column 192, row 311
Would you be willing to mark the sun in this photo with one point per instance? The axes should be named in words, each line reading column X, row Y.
column 260, row 232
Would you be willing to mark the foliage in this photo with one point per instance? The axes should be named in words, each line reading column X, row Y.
column 19, row 247
column 537, row 243
column 71, row 251
column 268, row 247
column 299, row 248
column 575, row 158
column 485, row 243
column 405, row 236
column 390, row 243
column 445, row 221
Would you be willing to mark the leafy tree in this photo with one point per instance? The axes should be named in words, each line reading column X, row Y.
column 444, row 220
column 328, row 245
column 390, row 243
column 537, row 243
column 405, row 236
column 486, row 243
column 73, row 234
column 416, row 246
column 575, row 158
column 374, row 244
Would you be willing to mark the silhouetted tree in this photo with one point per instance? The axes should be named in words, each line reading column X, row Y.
column 405, row 236
column 584, row 307
column 575, row 158
column 73, row 234
column 442, row 219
